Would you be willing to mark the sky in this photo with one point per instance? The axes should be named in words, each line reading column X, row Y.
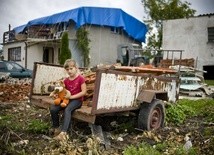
column 19, row 12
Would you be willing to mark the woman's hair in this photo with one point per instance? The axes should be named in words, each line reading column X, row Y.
column 69, row 62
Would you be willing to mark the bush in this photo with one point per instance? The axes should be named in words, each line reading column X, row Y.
column 178, row 113
column 65, row 52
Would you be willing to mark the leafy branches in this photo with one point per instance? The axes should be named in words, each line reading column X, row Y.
column 83, row 44
column 159, row 10
column 65, row 51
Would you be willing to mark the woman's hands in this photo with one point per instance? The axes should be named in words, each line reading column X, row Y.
column 68, row 95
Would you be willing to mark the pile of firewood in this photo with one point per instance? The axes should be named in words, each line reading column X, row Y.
column 90, row 78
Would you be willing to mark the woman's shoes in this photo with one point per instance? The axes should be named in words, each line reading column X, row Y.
column 58, row 134
column 54, row 131
column 62, row 136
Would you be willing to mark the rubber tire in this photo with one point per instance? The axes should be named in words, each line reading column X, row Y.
column 151, row 112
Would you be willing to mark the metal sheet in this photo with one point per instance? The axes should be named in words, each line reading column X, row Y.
column 45, row 75
column 117, row 91
column 146, row 96
column 120, row 91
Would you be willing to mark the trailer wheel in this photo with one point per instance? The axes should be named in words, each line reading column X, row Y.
column 151, row 115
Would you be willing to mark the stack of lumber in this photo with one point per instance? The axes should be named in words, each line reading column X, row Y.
column 90, row 78
column 145, row 69
column 183, row 62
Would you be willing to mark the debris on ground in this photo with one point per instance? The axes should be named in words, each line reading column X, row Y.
column 15, row 90
column 81, row 140
column 192, row 82
column 4, row 76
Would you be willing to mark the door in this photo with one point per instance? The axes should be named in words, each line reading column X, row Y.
column 48, row 55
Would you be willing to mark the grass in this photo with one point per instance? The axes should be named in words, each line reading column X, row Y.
column 142, row 149
column 31, row 125
column 38, row 126
column 185, row 108
column 202, row 107
column 177, row 114
column 159, row 149
column 209, row 82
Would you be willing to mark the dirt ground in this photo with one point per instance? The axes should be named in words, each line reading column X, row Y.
column 120, row 132
column 22, row 131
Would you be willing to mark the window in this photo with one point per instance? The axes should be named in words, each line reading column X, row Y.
column 14, row 54
column 13, row 66
column 210, row 34
column 116, row 30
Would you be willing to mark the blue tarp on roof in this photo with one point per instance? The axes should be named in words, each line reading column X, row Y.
column 96, row 16
column 19, row 28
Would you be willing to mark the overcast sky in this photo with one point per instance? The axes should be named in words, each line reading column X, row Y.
column 19, row 12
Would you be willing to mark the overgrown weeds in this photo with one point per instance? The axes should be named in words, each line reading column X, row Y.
column 177, row 114
column 183, row 109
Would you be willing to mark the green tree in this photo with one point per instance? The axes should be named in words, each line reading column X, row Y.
column 65, row 52
column 83, row 44
column 159, row 10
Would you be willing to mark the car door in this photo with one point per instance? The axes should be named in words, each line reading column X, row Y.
column 2, row 67
column 15, row 70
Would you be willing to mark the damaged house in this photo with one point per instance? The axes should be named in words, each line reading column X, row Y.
column 195, row 36
column 39, row 39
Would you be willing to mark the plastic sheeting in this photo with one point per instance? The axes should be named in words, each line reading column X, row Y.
column 112, row 17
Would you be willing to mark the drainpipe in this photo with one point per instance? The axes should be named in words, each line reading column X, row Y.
column 25, row 54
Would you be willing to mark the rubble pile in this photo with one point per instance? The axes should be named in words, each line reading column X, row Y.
column 15, row 90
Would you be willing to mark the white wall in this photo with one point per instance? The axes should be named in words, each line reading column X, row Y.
column 191, row 36
column 103, row 45
column 35, row 53
column 12, row 45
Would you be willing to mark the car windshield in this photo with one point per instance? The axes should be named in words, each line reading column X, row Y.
column 13, row 67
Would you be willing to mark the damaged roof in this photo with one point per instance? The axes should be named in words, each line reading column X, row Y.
column 112, row 17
